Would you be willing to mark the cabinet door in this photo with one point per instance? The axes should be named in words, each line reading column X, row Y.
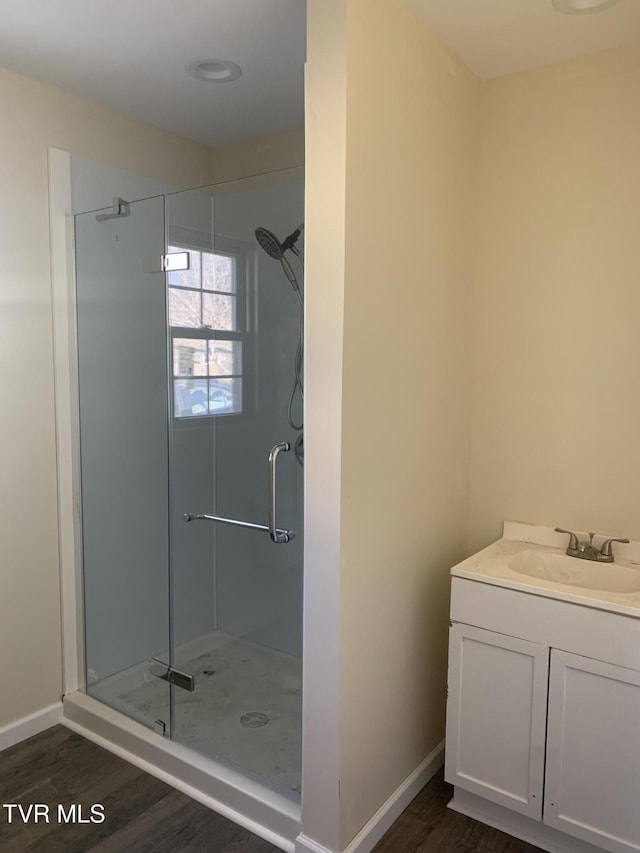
column 496, row 716
column 592, row 786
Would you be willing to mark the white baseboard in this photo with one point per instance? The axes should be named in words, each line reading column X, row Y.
column 388, row 813
column 31, row 725
column 519, row 826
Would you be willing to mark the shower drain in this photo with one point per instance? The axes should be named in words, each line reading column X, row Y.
column 254, row 720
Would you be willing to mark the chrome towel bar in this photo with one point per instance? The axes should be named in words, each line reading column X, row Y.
column 277, row 534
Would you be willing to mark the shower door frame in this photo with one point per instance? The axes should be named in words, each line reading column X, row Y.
column 258, row 808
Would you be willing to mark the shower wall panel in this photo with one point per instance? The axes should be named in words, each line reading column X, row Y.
column 190, row 222
column 259, row 585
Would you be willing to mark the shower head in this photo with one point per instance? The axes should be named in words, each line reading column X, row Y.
column 274, row 248
column 270, row 243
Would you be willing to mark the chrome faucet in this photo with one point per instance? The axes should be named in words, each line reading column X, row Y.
column 587, row 550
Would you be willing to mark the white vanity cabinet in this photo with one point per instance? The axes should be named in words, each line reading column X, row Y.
column 543, row 741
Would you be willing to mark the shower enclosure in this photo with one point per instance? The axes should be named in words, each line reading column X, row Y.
column 191, row 488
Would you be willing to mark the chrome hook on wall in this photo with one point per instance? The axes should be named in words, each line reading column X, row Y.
column 121, row 209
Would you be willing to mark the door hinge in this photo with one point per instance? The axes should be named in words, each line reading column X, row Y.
column 173, row 262
column 184, row 680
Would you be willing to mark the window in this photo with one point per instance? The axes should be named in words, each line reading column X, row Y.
column 207, row 316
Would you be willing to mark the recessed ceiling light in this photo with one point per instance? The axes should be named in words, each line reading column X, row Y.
column 214, row 70
column 578, row 7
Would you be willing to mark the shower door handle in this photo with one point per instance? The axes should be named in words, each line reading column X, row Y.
column 277, row 535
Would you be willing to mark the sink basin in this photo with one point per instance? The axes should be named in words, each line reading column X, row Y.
column 559, row 568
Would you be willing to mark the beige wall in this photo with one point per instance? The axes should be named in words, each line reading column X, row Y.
column 555, row 332
column 258, row 155
column 412, row 119
column 490, row 348
column 35, row 116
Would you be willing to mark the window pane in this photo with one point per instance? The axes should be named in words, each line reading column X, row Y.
column 219, row 312
column 225, row 358
column 189, row 357
column 190, row 397
column 218, row 272
column 185, row 308
column 185, row 278
column 225, row 396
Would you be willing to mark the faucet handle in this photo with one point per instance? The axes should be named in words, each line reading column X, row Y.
column 606, row 550
column 574, row 543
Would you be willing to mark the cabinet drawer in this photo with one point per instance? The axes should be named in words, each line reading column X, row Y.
column 598, row 634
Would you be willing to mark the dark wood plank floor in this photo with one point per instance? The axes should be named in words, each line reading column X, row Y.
column 144, row 814
column 428, row 826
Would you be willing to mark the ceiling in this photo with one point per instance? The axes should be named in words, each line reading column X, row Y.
column 497, row 37
column 130, row 55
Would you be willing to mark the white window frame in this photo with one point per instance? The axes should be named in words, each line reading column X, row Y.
column 195, row 241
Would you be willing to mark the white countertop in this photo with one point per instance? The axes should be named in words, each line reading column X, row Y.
column 491, row 566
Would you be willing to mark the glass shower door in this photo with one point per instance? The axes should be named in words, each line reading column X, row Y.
column 122, row 366
column 234, row 323
column 194, row 628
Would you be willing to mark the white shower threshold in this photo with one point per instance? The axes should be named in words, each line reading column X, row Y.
column 266, row 813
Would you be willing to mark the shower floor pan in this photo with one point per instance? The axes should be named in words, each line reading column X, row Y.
column 236, row 742
column 245, row 709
